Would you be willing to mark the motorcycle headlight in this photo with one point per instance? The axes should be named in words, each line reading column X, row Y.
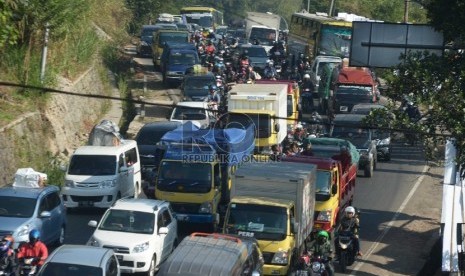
column 107, row 184
column 342, row 245
column 384, row 142
column 316, row 266
column 324, row 215
column 206, row 208
column 141, row 247
column 93, row 242
column 69, row 183
column 280, row 257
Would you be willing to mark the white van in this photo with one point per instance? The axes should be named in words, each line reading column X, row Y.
column 197, row 112
column 97, row 176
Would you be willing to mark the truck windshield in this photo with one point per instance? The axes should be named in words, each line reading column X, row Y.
column 323, row 182
column 264, row 35
column 259, row 221
column 335, row 41
column 182, row 58
column 92, row 165
column 262, row 123
column 179, row 176
column 173, row 37
column 358, row 136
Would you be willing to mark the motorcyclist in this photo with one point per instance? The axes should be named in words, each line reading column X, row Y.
column 33, row 249
column 295, row 75
column 307, row 84
column 210, row 48
column 8, row 264
column 322, row 247
column 299, row 133
column 244, row 61
column 269, row 71
column 350, row 221
column 213, row 97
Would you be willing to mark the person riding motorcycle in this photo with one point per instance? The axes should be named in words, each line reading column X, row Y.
column 35, row 249
column 350, row 221
column 322, row 247
column 210, row 48
column 307, row 84
column 269, row 71
column 295, row 75
column 8, row 264
column 244, row 61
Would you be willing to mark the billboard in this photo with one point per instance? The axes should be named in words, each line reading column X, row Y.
column 379, row 44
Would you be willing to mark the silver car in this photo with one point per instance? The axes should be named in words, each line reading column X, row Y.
column 23, row 209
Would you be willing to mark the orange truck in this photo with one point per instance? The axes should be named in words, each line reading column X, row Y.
column 335, row 188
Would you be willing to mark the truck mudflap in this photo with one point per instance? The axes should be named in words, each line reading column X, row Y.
column 198, row 218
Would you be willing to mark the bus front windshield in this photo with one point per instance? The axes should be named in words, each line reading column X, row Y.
column 264, row 35
column 335, row 41
column 185, row 177
column 205, row 21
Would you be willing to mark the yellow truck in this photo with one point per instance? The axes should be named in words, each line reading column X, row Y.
column 261, row 105
column 273, row 203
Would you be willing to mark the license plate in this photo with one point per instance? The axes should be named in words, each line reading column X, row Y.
column 343, row 108
column 182, row 217
column 86, row 203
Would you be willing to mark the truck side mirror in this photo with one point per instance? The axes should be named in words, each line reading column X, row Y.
column 217, row 181
column 276, row 127
column 334, row 189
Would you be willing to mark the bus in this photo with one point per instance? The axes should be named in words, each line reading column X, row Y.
column 205, row 17
column 318, row 34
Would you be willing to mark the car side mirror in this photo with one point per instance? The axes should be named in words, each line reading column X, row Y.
column 334, row 189
column 45, row 214
column 63, row 168
column 163, row 231
column 294, row 227
column 122, row 169
column 92, row 223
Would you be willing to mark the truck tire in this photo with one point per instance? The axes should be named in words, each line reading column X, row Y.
column 368, row 171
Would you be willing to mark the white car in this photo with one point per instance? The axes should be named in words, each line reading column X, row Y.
column 81, row 260
column 142, row 232
column 198, row 113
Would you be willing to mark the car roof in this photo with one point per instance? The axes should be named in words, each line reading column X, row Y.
column 193, row 104
column 162, row 125
column 138, row 204
column 367, row 106
column 349, row 117
column 251, row 46
column 201, row 75
column 80, row 254
column 26, row 192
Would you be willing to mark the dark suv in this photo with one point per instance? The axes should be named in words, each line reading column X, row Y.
column 350, row 127
column 195, row 86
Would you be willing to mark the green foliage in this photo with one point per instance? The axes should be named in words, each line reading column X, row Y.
column 8, row 32
column 448, row 16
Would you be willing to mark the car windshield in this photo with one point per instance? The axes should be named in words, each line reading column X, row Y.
column 199, row 83
column 264, row 36
column 173, row 37
column 357, row 136
column 92, row 165
column 258, row 221
column 186, row 113
column 323, row 182
column 353, row 90
column 256, row 52
column 179, row 176
column 182, row 58
column 17, row 207
column 128, row 221
column 58, row 269
column 150, row 137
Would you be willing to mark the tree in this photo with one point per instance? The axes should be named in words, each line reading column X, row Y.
column 436, row 83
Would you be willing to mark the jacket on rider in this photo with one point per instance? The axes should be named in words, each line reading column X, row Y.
column 35, row 250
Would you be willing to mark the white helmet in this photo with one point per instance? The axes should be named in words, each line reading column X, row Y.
column 306, row 76
column 349, row 209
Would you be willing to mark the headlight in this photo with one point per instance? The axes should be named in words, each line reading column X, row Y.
column 69, row 183
column 316, row 266
column 107, row 184
column 171, row 73
column 93, row 242
column 141, row 247
column 363, row 152
column 24, row 230
column 206, row 207
column 324, row 215
column 384, row 142
column 280, row 257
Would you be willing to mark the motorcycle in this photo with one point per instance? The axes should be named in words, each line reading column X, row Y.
column 26, row 267
column 318, row 267
column 346, row 249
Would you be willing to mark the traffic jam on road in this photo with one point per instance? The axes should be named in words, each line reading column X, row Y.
column 255, row 172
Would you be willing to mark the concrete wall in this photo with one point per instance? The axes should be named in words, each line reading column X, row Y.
column 56, row 129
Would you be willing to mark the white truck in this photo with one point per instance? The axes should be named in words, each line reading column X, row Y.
column 274, row 203
column 264, row 27
column 265, row 106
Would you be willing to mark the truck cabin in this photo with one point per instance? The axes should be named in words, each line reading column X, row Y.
column 293, row 94
column 261, row 218
column 266, row 36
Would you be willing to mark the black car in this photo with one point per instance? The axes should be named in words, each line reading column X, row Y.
column 383, row 137
column 350, row 127
column 195, row 87
column 147, row 138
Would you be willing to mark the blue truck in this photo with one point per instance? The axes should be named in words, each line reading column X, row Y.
column 175, row 60
column 195, row 172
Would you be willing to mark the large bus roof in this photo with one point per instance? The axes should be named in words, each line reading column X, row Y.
column 323, row 19
column 197, row 9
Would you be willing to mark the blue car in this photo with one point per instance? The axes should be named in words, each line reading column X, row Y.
column 24, row 208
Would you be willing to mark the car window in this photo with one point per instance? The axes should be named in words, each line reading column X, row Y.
column 166, row 218
column 59, row 269
column 131, row 157
column 53, row 200
column 44, row 204
column 112, row 267
column 160, row 222
column 20, row 207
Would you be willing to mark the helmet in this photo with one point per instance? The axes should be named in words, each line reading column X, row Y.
column 6, row 243
column 349, row 209
column 34, row 236
column 323, row 233
column 299, row 126
column 306, row 76
column 270, row 62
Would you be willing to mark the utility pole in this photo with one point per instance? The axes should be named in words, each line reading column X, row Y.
column 44, row 54
column 330, row 13
column 406, row 11
column 308, row 6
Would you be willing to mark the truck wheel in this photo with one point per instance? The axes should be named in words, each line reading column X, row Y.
column 369, row 169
